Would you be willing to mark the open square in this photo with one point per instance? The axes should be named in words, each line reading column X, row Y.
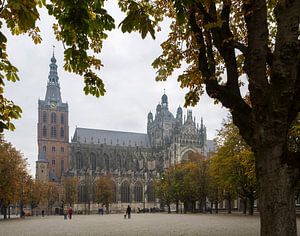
column 139, row 224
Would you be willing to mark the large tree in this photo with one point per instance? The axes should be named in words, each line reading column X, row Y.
column 254, row 40
column 234, row 164
column 14, row 178
column 228, row 43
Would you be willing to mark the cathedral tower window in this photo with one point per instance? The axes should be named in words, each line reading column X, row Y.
column 53, row 162
column 44, row 148
column 62, row 132
column 138, row 192
column 44, row 117
column 125, row 192
column 44, row 131
column 53, row 131
column 53, row 149
column 62, row 120
column 62, row 149
column 53, row 118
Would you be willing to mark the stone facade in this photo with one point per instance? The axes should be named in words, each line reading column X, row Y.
column 133, row 160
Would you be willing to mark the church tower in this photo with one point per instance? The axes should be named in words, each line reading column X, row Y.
column 53, row 131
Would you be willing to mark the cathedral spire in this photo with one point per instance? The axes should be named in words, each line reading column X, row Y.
column 53, row 88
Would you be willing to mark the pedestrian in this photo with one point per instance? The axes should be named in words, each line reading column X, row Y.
column 43, row 213
column 70, row 211
column 65, row 214
column 128, row 211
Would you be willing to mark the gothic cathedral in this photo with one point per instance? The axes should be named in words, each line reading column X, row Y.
column 133, row 160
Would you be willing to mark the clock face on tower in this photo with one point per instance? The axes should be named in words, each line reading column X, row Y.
column 53, row 104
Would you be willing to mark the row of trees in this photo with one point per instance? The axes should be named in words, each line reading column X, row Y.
column 18, row 188
column 94, row 190
column 229, row 174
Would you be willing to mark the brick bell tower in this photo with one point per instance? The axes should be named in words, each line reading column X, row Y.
column 53, row 131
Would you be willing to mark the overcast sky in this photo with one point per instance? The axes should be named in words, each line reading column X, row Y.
column 129, row 80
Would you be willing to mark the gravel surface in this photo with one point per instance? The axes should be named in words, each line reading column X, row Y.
column 139, row 224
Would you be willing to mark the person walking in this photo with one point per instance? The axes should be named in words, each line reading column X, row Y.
column 70, row 212
column 128, row 211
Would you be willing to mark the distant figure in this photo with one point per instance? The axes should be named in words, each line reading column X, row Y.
column 70, row 212
column 43, row 213
column 102, row 210
column 128, row 211
column 65, row 214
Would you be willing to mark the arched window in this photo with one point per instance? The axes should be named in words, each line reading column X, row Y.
column 44, row 131
column 114, row 190
column 106, row 160
column 53, row 118
column 62, row 120
column 53, row 131
column 79, row 161
column 93, row 161
column 44, row 116
column 138, row 192
column 119, row 164
column 125, row 192
column 62, row 132
column 44, row 149
column 53, row 149
column 151, row 193
column 82, row 194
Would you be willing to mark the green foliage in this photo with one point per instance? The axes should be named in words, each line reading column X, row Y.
column 14, row 178
column 70, row 190
column 185, row 182
column 232, row 168
column 103, row 189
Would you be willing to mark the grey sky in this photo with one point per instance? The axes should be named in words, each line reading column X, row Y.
column 128, row 76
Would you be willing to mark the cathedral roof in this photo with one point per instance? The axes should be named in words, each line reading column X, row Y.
column 111, row 137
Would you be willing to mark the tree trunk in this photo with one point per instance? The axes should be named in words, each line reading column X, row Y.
column 107, row 208
column 229, row 205
column 169, row 208
column 245, row 206
column 216, row 206
column 276, row 192
column 177, row 204
column 5, row 212
column 251, row 205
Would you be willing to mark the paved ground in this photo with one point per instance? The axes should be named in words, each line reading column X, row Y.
column 140, row 224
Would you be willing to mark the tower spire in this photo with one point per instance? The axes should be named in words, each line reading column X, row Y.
column 53, row 88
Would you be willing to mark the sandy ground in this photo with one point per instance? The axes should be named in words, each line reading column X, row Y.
column 139, row 224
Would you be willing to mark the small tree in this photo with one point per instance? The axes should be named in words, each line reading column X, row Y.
column 52, row 195
column 70, row 190
column 104, row 191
